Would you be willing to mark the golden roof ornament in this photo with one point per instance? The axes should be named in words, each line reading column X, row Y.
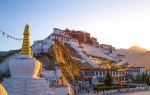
column 26, row 49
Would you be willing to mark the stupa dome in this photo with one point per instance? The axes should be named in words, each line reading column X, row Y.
column 2, row 90
column 24, row 66
column 24, row 71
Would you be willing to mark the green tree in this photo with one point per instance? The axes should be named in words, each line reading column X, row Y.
column 143, row 76
column 138, row 78
column 147, row 79
column 108, row 80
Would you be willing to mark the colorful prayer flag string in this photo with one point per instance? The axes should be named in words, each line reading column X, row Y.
column 9, row 36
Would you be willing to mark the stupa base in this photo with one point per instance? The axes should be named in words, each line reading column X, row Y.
column 26, row 86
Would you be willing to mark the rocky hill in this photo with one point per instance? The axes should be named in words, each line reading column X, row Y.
column 59, row 55
column 142, row 60
column 136, row 56
column 137, row 49
column 6, row 54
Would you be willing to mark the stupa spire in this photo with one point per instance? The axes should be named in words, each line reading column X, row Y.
column 26, row 49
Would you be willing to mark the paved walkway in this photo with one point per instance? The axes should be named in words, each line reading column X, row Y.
column 134, row 93
column 139, row 93
column 83, row 92
column 91, row 92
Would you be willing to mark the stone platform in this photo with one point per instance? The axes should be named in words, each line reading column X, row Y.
column 26, row 86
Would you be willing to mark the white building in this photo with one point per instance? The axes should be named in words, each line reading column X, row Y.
column 99, row 74
column 108, row 49
column 137, row 70
column 52, row 76
column 42, row 46
column 58, row 31
column 120, row 57
column 59, row 37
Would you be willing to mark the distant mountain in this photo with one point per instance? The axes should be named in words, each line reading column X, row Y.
column 142, row 60
column 137, row 49
column 136, row 56
column 5, row 54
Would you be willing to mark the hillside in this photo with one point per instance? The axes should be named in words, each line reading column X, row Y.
column 7, row 54
column 67, row 64
column 136, row 56
column 59, row 55
column 137, row 49
column 132, row 50
column 142, row 60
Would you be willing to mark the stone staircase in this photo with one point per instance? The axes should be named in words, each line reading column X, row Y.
column 86, row 58
column 27, row 86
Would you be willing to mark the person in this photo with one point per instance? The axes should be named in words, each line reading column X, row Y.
column 68, row 94
column 86, row 88
column 93, row 85
column 94, row 90
column 88, row 91
column 97, row 91
column 118, row 90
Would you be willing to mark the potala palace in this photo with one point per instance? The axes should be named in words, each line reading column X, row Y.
column 33, row 74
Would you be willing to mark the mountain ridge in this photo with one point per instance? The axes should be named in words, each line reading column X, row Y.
column 137, row 49
column 136, row 56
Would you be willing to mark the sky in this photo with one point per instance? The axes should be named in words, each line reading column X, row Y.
column 121, row 23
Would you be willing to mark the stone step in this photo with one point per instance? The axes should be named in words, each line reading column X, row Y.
column 27, row 87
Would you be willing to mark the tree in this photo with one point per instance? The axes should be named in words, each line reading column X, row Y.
column 147, row 80
column 108, row 80
column 143, row 76
column 138, row 78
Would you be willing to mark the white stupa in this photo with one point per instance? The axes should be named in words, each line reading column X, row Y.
column 24, row 71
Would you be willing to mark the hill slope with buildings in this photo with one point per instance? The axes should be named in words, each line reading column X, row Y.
column 87, row 51
column 66, row 58
column 59, row 56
